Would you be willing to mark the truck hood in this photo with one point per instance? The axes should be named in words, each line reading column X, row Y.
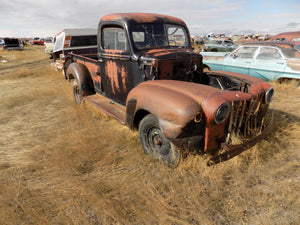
column 169, row 53
column 172, row 64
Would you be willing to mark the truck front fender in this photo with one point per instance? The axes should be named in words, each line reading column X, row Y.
column 174, row 109
column 83, row 77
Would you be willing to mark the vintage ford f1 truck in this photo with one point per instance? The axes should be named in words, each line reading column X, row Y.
column 147, row 76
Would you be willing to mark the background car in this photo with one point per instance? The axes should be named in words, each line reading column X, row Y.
column 220, row 45
column 287, row 36
column 12, row 44
column 270, row 61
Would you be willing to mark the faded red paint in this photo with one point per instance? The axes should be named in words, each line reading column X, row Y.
column 114, row 73
column 93, row 68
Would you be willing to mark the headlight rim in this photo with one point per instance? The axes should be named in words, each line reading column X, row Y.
column 219, row 110
column 267, row 99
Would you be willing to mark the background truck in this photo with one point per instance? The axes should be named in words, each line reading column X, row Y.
column 147, row 76
column 79, row 41
column 48, row 46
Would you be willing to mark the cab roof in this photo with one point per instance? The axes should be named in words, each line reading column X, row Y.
column 78, row 32
column 137, row 18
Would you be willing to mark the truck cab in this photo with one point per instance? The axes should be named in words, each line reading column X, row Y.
column 133, row 47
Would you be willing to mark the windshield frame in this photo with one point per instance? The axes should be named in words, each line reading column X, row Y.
column 164, row 42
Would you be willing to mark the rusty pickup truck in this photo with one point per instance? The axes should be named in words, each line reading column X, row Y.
column 147, row 76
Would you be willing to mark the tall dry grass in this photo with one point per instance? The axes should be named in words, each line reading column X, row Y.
column 64, row 164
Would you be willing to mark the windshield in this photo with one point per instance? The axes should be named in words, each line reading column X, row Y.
column 153, row 35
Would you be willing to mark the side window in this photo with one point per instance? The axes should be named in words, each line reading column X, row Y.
column 244, row 52
column 228, row 43
column 88, row 40
column 269, row 53
column 114, row 39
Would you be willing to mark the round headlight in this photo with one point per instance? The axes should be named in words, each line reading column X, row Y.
column 269, row 95
column 222, row 113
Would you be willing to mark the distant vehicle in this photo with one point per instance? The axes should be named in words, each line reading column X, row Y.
column 287, row 36
column 79, row 41
column 38, row 41
column 270, row 61
column 219, row 45
column 12, row 44
column 49, row 45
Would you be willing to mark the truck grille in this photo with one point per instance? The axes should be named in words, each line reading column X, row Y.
column 246, row 118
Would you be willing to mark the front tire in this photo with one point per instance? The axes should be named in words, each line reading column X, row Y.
column 155, row 144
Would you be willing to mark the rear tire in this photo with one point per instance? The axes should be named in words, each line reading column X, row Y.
column 155, row 144
column 77, row 92
column 65, row 67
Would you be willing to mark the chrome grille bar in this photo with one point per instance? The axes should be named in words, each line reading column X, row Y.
column 244, row 118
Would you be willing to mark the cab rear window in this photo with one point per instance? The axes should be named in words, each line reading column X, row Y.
column 83, row 40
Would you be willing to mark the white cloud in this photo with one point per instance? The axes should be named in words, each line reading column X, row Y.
column 45, row 18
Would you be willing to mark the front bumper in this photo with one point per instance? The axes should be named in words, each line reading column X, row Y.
column 234, row 150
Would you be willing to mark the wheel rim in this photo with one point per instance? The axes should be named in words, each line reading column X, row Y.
column 159, row 145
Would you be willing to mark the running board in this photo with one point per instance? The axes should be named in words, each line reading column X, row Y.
column 108, row 107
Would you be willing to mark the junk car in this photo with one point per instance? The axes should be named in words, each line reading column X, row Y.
column 12, row 44
column 270, row 61
column 146, row 75
column 219, row 45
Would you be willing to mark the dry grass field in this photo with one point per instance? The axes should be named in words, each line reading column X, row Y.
column 66, row 164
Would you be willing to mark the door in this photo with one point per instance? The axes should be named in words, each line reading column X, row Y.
column 240, row 60
column 268, row 64
column 115, row 64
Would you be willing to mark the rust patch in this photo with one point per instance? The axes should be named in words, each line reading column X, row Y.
column 116, row 74
column 141, row 18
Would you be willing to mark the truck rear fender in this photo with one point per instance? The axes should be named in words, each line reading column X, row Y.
column 82, row 75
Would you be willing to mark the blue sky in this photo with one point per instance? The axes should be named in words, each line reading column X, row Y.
column 27, row 18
